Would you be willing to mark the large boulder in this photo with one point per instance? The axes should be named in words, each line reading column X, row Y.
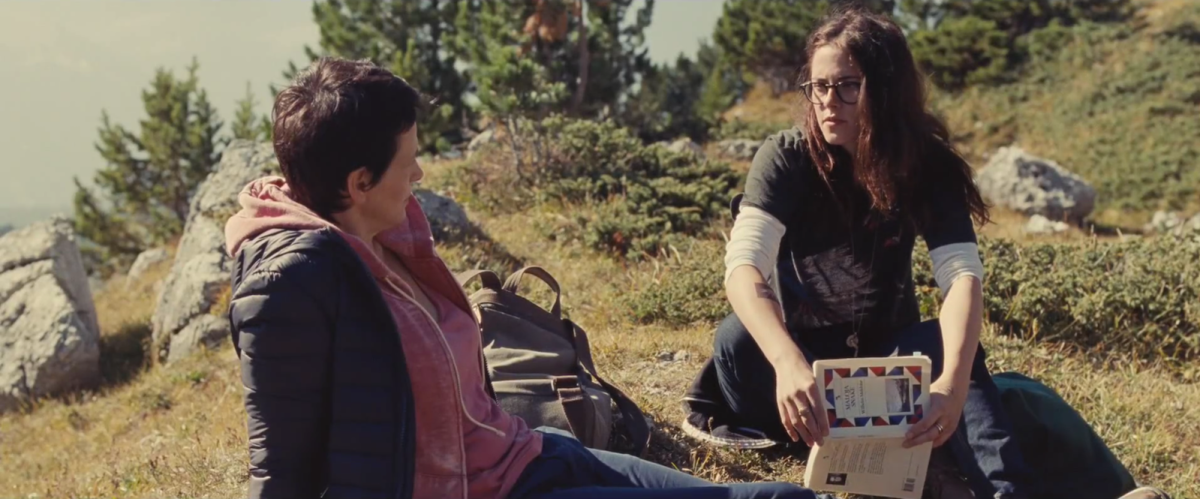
column 184, row 317
column 447, row 219
column 1031, row 185
column 738, row 149
column 49, row 335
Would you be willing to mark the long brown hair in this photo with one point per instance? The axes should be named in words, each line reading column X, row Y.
column 903, row 151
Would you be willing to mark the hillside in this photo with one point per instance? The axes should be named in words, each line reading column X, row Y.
column 1117, row 104
column 179, row 431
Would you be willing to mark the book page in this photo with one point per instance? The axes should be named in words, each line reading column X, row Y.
column 869, row 466
column 877, row 397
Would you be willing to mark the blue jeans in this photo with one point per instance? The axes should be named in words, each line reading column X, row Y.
column 568, row 470
column 983, row 445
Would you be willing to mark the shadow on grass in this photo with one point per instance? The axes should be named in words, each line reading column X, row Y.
column 124, row 354
column 475, row 249
column 667, row 447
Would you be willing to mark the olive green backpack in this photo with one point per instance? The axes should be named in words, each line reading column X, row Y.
column 541, row 368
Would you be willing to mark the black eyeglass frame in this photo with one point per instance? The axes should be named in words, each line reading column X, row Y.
column 807, row 89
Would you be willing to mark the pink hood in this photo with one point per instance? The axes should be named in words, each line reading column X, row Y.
column 267, row 204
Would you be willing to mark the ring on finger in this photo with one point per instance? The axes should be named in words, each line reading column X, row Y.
column 940, row 428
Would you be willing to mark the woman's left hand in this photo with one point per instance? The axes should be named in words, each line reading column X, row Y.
column 941, row 416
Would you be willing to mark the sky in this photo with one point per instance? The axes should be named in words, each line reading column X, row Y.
column 64, row 62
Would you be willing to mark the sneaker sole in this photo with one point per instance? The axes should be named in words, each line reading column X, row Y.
column 742, row 444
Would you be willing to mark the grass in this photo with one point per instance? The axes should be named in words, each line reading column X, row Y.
column 179, row 430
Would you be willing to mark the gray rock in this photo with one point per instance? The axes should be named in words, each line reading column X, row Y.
column 144, row 262
column 206, row 329
column 482, row 141
column 1192, row 225
column 49, row 335
column 1035, row 186
column 200, row 272
column 739, row 149
column 453, row 153
column 685, row 145
column 446, row 217
column 1171, row 222
column 1038, row 224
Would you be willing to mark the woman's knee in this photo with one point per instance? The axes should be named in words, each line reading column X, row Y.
column 733, row 343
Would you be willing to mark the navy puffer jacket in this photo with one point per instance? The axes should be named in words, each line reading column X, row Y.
column 340, row 406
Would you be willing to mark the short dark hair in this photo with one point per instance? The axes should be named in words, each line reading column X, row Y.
column 338, row 116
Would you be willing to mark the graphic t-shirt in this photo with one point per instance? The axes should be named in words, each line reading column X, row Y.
column 849, row 269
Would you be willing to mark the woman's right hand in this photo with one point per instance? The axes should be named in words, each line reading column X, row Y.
column 800, row 406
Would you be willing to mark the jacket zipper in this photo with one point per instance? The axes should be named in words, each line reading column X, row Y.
column 450, row 353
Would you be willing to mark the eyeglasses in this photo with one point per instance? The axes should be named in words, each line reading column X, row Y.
column 847, row 91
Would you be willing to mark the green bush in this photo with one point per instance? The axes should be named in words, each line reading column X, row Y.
column 686, row 288
column 963, row 51
column 1140, row 296
column 619, row 195
column 752, row 130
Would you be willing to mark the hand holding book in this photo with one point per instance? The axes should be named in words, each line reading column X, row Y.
column 941, row 418
column 800, row 403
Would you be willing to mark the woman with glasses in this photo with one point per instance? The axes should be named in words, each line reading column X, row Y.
column 819, row 263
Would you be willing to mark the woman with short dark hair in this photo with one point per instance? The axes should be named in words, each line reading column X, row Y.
column 819, row 262
column 360, row 356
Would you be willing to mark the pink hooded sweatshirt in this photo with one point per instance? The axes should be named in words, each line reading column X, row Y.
column 467, row 446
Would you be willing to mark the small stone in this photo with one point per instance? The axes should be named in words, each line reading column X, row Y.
column 1038, row 224
column 686, row 146
column 739, row 149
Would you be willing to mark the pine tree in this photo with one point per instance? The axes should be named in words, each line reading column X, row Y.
column 586, row 45
column 149, row 177
column 247, row 125
column 767, row 39
column 410, row 38
column 723, row 87
column 962, row 42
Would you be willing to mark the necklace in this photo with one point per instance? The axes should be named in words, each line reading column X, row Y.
column 856, row 323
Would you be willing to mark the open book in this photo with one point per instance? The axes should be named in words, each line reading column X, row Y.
column 871, row 403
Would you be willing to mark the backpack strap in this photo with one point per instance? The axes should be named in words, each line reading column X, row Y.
column 489, row 278
column 635, row 420
column 490, row 281
column 576, row 405
column 514, row 281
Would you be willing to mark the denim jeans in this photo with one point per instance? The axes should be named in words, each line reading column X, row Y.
column 983, row 445
column 568, row 470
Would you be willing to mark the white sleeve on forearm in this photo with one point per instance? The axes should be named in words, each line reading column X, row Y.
column 754, row 241
column 953, row 261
